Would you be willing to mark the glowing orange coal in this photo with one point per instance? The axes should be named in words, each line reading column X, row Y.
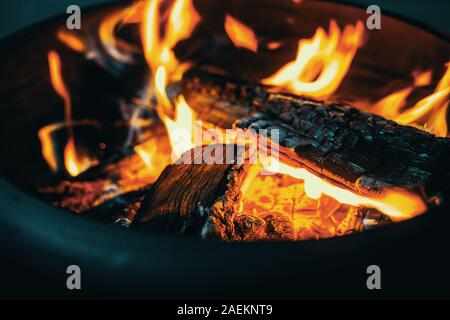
column 240, row 34
column 397, row 204
column 321, row 63
column 75, row 162
column 429, row 114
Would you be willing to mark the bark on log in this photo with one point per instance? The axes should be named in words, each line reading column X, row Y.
column 204, row 200
column 359, row 150
column 194, row 199
column 101, row 184
column 120, row 210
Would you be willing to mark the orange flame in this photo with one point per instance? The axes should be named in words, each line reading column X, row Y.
column 241, row 35
column 182, row 21
column 48, row 152
column 390, row 106
column 114, row 46
column 74, row 163
column 72, row 41
column 165, row 67
column 321, row 63
column 397, row 204
column 429, row 113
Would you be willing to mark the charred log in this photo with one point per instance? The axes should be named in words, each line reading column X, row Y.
column 206, row 200
column 120, row 210
column 103, row 184
column 194, row 199
column 359, row 150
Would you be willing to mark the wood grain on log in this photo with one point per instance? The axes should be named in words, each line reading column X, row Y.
column 361, row 151
column 206, row 200
column 194, row 199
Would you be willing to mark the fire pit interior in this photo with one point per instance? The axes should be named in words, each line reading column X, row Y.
column 130, row 119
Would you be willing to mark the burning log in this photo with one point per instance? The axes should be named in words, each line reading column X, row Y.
column 194, row 199
column 120, row 210
column 102, row 185
column 232, row 202
column 358, row 150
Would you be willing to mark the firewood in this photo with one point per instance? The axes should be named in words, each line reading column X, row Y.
column 358, row 150
column 120, row 210
column 194, row 199
column 101, row 184
column 206, row 200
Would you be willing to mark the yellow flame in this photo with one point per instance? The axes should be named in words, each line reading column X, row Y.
column 389, row 107
column 430, row 113
column 321, row 63
column 147, row 151
column 240, row 34
column 159, row 51
column 165, row 67
column 74, row 163
column 397, row 204
column 181, row 129
column 150, row 32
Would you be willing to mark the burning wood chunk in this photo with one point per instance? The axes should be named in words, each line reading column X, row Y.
column 276, row 207
column 279, row 227
column 120, row 210
column 361, row 219
column 195, row 199
column 236, row 202
column 100, row 184
column 361, row 151
column 249, row 227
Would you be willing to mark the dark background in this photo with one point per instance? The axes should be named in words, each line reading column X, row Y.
column 17, row 14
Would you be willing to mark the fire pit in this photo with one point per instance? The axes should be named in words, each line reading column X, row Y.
column 328, row 129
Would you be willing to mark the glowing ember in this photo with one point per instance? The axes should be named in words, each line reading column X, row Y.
column 430, row 113
column 321, row 63
column 397, row 204
column 241, row 35
column 283, row 196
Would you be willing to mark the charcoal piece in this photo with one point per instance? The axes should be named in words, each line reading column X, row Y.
column 279, row 227
column 249, row 228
